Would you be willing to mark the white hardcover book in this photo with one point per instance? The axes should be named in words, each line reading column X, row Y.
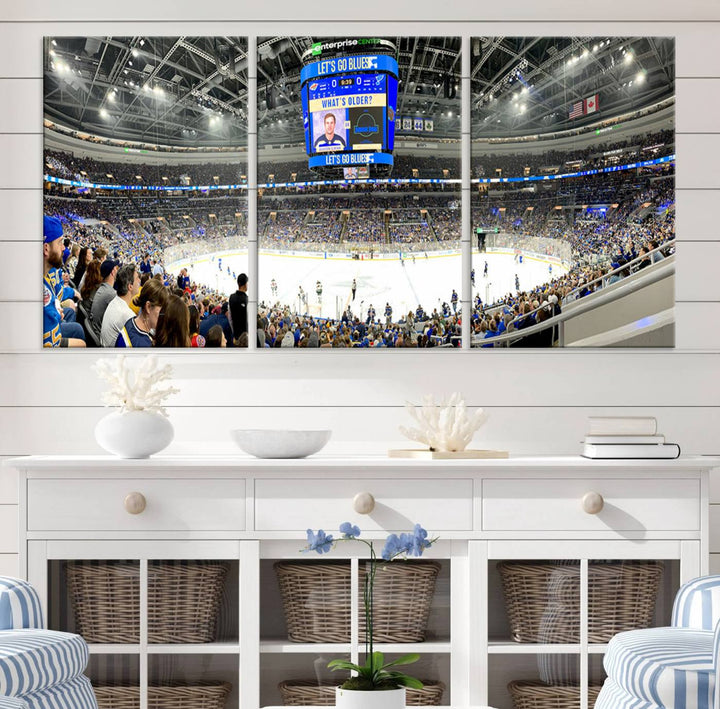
column 622, row 426
column 604, row 440
column 640, row 450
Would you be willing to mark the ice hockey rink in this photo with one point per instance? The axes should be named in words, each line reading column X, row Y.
column 404, row 283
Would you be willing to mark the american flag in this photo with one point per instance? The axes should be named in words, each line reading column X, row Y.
column 577, row 109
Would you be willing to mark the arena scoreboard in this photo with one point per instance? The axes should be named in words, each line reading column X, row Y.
column 349, row 101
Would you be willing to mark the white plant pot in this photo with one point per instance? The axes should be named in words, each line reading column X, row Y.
column 134, row 434
column 382, row 699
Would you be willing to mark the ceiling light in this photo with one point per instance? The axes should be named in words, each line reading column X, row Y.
column 135, row 52
column 640, row 77
column 54, row 43
column 595, row 48
column 52, row 52
column 585, row 52
column 523, row 108
column 103, row 113
column 111, row 96
column 142, row 41
column 628, row 57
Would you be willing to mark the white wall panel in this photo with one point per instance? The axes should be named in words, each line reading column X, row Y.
column 22, row 214
column 359, row 378
column 227, row 10
column 695, row 217
column 22, row 261
column 10, row 565
column 691, row 93
column 23, row 153
column 8, row 485
column 697, row 264
column 21, row 100
column 8, row 529
column 544, row 430
column 698, row 161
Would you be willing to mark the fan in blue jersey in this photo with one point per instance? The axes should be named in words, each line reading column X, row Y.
column 52, row 287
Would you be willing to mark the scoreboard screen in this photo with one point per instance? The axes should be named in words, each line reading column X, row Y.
column 349, row 116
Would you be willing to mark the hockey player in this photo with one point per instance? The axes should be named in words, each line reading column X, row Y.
column 273, row 288
column 388, row 314
column 485, row 270
column 353, row 288
column 472, row 276
column 454, row 300
column 517, row 282
column 318, row 291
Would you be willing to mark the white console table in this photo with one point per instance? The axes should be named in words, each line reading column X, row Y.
column 252, row 512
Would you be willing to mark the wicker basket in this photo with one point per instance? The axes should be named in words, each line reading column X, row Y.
column 308, row 692
column 538, row 695
column 543, row 599
column 183, row 600
column 203, row 695
column 316, row 600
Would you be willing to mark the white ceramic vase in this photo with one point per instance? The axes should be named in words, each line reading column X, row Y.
column 382, row 699
column 134, row 434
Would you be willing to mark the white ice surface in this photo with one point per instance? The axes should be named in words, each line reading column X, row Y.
column 426, row 281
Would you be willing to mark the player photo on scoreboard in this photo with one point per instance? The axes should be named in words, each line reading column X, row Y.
column 573, row 191
column 145, row 230
column 359, row 192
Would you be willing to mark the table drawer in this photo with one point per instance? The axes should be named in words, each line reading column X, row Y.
column 631, row 505
column 286, row 505
column 170, row 505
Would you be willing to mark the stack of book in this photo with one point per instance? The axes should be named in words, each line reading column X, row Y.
column 626, row 437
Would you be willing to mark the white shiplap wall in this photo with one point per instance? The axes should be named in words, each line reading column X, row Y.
column 538, row 401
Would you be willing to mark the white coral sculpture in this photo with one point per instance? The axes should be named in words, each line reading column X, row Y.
column 444, row 426
column 135, row 388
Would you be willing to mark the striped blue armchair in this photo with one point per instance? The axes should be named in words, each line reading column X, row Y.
column 668, row 668
column 39, row 669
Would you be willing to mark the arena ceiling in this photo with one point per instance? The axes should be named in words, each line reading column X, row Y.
column 192, row 91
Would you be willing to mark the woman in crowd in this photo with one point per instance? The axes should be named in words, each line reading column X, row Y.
column 140, row 330
column 92, row 282
column 173, row 328
column 196, row 339
column 84, row 258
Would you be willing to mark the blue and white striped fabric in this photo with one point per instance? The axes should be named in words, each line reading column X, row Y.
column 613, row 696
column 697, row 604
column 13, row 703
column 33, row 660
column 19, row 605
column 75, row 694
column 664, row 667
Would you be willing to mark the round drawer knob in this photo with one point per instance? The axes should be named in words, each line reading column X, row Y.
column 363, row 503
column 592, row 502
column 135, row 503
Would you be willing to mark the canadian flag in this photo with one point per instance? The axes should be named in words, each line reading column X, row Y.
column 591, row 104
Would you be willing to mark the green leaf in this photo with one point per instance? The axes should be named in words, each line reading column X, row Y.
column 343, row 665
column 409, row 682
column 404, row 660
column 378, row 660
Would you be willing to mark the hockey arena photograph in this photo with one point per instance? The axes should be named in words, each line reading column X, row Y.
column 359, row 199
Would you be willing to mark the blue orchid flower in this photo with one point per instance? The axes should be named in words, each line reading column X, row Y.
column 349, row 531
column 419, row 541
column 321, row 543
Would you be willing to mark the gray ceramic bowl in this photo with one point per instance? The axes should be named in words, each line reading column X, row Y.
column 280, row 444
